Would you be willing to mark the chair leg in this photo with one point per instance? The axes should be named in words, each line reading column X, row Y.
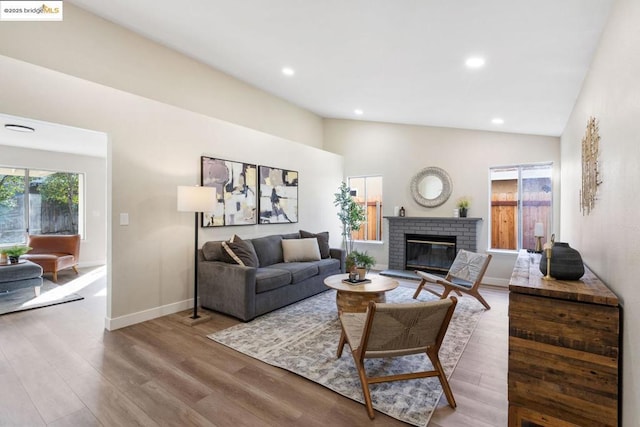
column 341, row 343
column 435, row 361
column 75, row 268
column 55, row 276
column 365, row 389
column 482, row 300
column 420, row 286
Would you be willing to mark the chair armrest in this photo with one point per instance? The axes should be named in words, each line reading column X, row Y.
column 432, row 278
column 228, row 288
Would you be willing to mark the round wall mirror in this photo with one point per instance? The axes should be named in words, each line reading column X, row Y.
column 431, row 187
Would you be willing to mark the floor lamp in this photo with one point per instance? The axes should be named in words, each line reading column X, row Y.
column 196, row 199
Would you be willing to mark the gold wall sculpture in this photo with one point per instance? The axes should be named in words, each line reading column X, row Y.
column 590, row 170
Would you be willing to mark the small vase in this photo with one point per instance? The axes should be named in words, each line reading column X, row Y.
column 13, row 259
column 362, row 272
column 566, row 262
column 462, row 212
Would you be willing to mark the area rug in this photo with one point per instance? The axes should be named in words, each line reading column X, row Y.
column 25, row 299
column 303, row 338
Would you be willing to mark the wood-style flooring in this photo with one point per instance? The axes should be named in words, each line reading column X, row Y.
column 59, row 367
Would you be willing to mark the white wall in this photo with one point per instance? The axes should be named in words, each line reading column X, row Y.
column 93, row 248
column 609, row 238
column 155, row 147
column 397, row 152
column 94, row 49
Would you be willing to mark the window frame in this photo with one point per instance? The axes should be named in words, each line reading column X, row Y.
column 520, row 232
column 27, row 202
column 379, row 221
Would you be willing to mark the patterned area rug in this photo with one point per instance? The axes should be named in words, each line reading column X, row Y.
column 303, row 338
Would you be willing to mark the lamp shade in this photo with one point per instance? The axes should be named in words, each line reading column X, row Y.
column 538, row 230
column 196, row 199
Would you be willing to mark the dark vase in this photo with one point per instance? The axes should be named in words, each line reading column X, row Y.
column 13, row 259
column 463, row 212
column 566, row 262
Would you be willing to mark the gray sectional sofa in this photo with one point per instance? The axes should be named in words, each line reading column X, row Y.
column 246, row 292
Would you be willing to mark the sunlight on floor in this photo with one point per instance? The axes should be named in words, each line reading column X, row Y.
column 69, row 288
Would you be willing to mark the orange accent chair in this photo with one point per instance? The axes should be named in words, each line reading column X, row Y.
column 54, row 252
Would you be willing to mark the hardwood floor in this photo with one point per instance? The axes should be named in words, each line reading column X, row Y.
column 58, row 367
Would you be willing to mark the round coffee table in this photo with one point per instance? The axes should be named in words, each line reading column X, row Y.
column 355, row 298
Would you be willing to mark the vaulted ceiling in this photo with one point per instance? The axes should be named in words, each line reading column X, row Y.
column 400, row 61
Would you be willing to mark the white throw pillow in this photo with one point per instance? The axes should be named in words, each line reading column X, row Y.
column 299, row 250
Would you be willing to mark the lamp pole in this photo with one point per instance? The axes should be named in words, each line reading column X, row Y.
column 196, row 199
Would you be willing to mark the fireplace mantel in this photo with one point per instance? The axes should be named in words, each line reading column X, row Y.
column 465, row 230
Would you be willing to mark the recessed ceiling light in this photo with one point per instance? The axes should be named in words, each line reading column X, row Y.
column 358, row 112
column 288, row 71
column 18, row 128
column 474, row 62
column 497, row 121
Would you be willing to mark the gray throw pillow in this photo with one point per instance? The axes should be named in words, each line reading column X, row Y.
column 240, row 252
column 323, row 241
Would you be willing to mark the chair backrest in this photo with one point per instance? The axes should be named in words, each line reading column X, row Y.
column 55, row 243
column 469, row 266
column 399, row 329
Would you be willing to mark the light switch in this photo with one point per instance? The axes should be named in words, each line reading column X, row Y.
column 124, row 219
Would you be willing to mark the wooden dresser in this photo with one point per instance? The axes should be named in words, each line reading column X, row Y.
column 563, row 349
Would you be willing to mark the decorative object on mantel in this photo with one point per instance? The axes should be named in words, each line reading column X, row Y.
column 590, row 168
column 402, row 211
column 560, row 261
column 431, row 187
column 463, row 206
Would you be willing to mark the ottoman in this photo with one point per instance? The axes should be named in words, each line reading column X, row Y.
column 18, row 276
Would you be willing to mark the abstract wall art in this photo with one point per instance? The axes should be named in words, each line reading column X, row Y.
column 236, row 188
column 278, row 189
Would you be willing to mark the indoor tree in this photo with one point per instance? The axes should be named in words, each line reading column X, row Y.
column 350, row 214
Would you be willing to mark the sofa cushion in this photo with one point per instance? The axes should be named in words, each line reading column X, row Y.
column 268, row 249
column 25, row 270
column 268, row 279
column 329, row 265
column 241, row 252
column 323, row 241
column 299, row 270
column 212, row 251
column 300, row 250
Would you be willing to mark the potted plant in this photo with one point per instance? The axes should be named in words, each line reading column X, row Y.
column 350, row 214
column 463, row 205
column 363, row 262
column 14, row 252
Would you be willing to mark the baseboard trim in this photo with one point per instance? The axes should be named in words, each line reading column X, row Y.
column 111, row 324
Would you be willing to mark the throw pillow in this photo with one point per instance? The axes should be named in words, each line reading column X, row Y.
column 323, row 241
column 300, row 250
column 241, row 252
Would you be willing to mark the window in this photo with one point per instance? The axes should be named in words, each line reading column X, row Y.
column 367, row 192
column 39, row 202
column 521, row 197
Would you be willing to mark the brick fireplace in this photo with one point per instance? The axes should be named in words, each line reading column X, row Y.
column 465, row 231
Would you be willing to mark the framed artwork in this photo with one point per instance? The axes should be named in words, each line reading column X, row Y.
column 236, row 189
column 278, row 189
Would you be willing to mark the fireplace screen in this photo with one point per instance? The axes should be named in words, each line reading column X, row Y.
column 429, row 253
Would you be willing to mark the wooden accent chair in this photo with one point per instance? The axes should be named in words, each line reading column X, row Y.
column 54, row 252
column 465, row 275
column 392, row 330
